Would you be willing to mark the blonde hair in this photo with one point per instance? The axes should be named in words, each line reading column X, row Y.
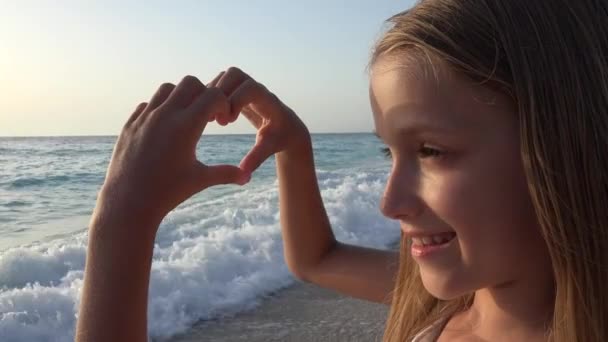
column 551, row 57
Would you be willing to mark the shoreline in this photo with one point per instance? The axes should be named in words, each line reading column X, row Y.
column 301, row 312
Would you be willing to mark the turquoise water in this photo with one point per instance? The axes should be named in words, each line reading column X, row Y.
column 216, row 254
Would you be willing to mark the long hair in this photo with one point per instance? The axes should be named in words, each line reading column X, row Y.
column 551, row 58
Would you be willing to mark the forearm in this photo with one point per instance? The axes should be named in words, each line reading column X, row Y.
column 306, row 230
column 152, row 170
column 117, row 272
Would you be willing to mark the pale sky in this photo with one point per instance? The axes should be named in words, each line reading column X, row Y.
column 80, row 67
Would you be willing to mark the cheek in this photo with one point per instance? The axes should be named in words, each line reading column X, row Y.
column 489, row 208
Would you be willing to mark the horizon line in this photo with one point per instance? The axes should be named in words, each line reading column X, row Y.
column 116, row 135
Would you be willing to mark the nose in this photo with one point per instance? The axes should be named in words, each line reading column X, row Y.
column 400, row 199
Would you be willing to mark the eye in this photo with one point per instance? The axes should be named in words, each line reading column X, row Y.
column 423, row 153
column 386, row 152
column 429, row 152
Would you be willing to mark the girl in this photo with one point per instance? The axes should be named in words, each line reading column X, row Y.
column 493, row 113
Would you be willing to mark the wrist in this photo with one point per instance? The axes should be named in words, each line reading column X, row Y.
column 111, row 228
column 298, row 136
column 119, row 202
column 299, row 145
column 297, row 157
column 113, row 220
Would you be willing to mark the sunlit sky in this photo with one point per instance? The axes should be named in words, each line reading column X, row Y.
column 80, row 67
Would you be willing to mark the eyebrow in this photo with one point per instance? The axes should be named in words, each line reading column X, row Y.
column 420, row 127
column 411, row 118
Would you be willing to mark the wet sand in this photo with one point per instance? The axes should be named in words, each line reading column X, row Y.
column 302, row 312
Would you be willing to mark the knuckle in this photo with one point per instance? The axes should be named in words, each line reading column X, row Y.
column 264, row 88
column 190, row 80
column 253, row 86
column 259, row 86
column 274, row 97
column 137, row 114
column 234, row 70
column 166, row 87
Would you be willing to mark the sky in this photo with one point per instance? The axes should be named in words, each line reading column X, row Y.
column 80, row 67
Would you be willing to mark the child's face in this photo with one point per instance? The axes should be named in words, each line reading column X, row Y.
column 456, row 168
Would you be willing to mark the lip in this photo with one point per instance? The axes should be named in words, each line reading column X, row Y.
column 420, row 251
column 418, row 233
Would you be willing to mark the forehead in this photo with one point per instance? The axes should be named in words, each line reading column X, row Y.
column 410, row 93
column 393, row 84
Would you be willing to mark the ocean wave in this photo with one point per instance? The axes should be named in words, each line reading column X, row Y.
column 74, row 152
column 24, row 182
column 81, row 178
column 50, row 152
column 12, row 204
column 213, row 257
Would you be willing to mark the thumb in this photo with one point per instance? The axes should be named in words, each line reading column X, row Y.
column 261, row 151
column 211, row 175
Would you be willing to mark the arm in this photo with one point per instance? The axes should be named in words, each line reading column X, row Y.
column 311, row 250
column 152, row 170
column 115, row 291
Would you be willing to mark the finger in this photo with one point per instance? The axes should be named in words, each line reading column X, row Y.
column 221, row 174
column 185, row 92
column 214, row 82
column 253, row 117
column 252, row 92
column 229, row 82
column 138, row 110
column 160, row 96
column 210, row 103
column 258, row 154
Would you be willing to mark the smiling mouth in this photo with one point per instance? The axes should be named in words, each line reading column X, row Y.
column 433, row 240
column 429, row 245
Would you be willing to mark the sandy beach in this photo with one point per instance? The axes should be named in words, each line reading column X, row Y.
column 302, row 312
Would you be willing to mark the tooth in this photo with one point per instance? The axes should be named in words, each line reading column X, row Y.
column 438, row 239
column 427, row 240
column 416, row 241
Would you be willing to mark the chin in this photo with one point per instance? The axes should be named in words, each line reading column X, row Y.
column 445, row 288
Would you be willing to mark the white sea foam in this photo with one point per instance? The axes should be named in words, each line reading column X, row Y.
column 213, row 257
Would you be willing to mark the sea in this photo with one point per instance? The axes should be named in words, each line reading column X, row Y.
column 217, row 254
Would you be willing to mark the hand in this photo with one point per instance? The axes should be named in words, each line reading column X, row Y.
column 278, row 128
column 154, row 166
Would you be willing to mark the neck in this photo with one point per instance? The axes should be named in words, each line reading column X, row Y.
column 523, row 308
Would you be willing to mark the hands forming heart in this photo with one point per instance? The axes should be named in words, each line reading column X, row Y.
column 154, row 167
column 278, row 127
column 152, row 170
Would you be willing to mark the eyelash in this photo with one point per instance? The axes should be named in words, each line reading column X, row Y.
column 386, row 152
column 434, row 153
